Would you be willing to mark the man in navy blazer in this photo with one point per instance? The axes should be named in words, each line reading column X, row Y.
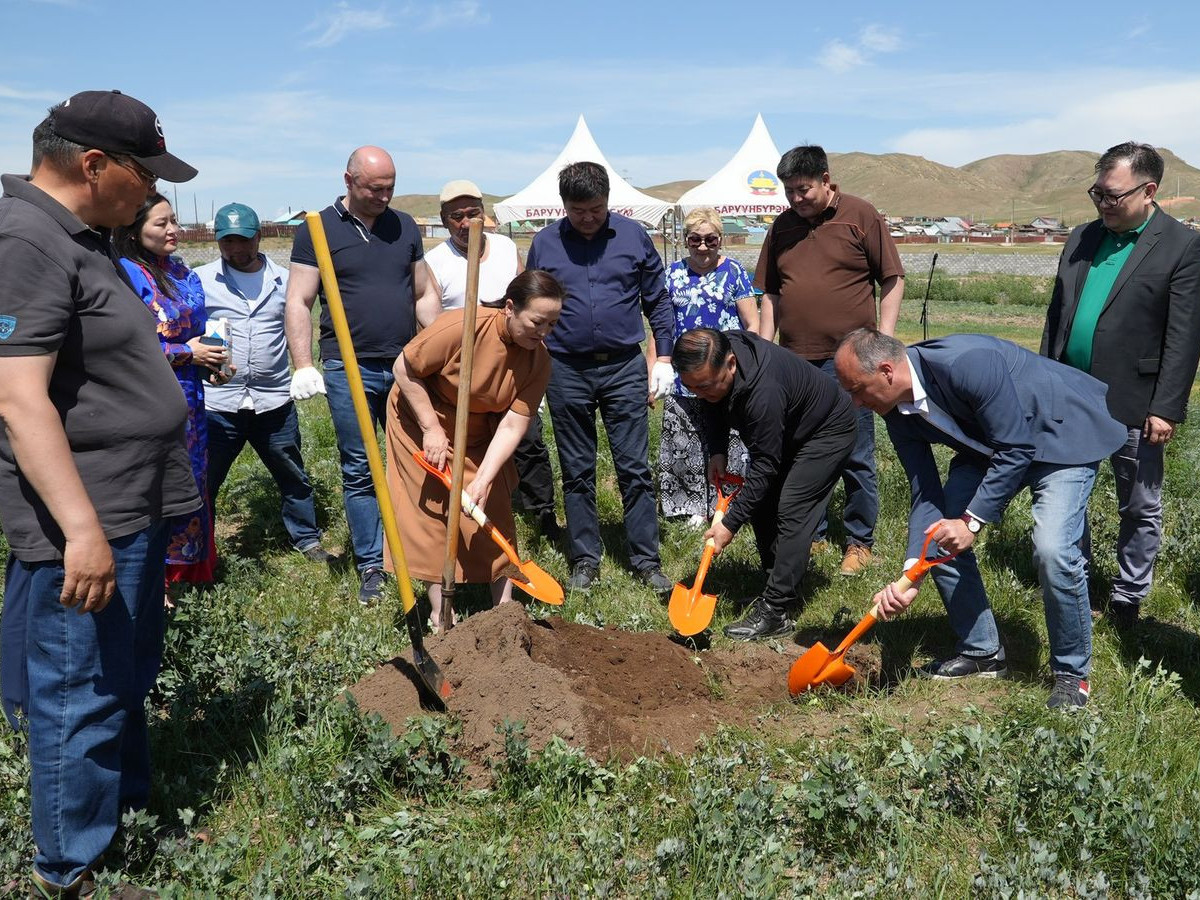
column 1126, row 309
column 1013, row 419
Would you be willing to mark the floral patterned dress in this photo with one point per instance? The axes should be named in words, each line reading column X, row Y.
column 701, row 301
column 191, row 551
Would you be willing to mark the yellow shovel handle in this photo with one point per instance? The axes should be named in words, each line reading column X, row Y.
column 337, row 312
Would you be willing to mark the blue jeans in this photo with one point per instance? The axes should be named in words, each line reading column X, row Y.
column 618, row 388
column 358, row 491
column 83, row 703
column 861, row 508
column 275, row 437
column 1060, row 497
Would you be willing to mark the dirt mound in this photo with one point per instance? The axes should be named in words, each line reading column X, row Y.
column 608, row 691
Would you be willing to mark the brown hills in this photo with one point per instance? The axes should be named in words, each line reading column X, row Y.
column 994, row 189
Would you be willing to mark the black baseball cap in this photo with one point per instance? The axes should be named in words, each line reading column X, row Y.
column 117, row 123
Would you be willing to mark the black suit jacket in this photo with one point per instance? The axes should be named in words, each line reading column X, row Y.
column 1147, row 339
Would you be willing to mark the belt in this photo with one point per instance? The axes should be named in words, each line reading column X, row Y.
column 600, row 356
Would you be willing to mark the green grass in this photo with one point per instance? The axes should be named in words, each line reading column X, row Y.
column 279, row 789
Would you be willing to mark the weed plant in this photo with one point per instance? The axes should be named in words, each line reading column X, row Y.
column 271, row 784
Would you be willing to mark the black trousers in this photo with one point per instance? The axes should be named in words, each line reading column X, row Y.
column 787, row 519
column 535, row 492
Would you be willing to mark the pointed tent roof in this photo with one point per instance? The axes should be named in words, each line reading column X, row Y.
column 540, row 199
column 746, row 185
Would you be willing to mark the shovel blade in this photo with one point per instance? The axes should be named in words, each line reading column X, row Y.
column 805, row 670
column 836, row 673
column 538, row 583
column 689, row 610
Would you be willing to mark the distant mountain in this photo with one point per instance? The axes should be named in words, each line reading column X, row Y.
column 988, row 190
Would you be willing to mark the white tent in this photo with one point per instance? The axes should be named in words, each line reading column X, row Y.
column 746, row 185
column 540, row 199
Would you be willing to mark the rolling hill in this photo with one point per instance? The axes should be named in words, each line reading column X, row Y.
column 991, row 189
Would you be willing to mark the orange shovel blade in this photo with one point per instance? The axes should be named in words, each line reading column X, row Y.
column 541, row 584
column 836, row 673
column 805, row 670
column 689, row 610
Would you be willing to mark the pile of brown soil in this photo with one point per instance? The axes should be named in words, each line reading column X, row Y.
column 608, row 691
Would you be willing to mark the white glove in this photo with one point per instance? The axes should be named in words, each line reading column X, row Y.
column 306, row 382
column 662, row 379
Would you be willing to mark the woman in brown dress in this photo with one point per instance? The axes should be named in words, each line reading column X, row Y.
column 511, row 370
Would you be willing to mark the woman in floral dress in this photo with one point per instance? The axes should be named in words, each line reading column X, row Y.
column 173, row 294
column 708, row 290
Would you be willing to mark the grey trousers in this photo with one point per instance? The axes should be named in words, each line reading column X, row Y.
column 1138, row 471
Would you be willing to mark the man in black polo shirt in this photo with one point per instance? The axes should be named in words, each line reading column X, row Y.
column 799, row 427
column 92, row 464
column 379, row 261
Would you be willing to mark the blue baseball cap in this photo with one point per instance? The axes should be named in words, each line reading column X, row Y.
column 235, row 219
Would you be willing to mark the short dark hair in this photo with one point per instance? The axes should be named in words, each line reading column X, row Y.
column 582, row 181
column 808, row 161
column 533, row 283
column 1144, row 161
column 871, row 347
column 700, row 348
column 47, row 145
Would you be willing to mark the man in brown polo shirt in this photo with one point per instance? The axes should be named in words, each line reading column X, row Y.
column 818, row 270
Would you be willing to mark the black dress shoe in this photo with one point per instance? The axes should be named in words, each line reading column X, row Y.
column 762, row 621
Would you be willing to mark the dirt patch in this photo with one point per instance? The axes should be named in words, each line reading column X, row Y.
column 608, row 691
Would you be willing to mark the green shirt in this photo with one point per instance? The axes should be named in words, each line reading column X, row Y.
column 1110, row 257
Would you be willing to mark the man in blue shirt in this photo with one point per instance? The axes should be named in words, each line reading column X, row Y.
column 612, row 274
column 248, row 290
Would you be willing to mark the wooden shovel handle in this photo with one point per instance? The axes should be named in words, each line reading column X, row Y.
column 463, row 406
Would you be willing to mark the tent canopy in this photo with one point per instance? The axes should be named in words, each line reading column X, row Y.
column 746, row 185
column 540, row 199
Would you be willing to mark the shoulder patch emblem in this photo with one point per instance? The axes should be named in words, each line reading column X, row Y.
column 8, row 324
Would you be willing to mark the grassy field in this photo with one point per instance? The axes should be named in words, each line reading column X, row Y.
column 269, row 785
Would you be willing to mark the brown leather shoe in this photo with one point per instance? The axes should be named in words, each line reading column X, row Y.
column 818, row 548
column 856, row 559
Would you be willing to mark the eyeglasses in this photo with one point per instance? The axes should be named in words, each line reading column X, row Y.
column 708, row 240
column 459, row 214
column 132, row 165
column 1108, row 201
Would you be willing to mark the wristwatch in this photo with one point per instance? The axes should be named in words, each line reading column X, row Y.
column 973, row 524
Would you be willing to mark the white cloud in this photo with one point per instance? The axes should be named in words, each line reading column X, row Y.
column 838, row 56
column 346, row 20
column 1164, row 113
column 880, row 39
column 457, row 13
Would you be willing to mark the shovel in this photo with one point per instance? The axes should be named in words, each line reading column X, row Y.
column 689, row 610
column 537, row 582
column 819, row 666
column 430, row 675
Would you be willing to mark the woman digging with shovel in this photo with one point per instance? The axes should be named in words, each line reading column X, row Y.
column 510, row 371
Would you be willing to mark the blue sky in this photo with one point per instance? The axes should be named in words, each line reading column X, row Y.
column 267, row 98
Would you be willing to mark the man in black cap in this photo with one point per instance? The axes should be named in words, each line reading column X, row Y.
column 92, row 465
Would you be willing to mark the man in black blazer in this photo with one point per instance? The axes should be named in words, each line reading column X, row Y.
column 1126, row 309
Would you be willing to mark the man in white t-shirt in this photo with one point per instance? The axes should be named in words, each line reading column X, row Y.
column 447, row 289
column 247, row 288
